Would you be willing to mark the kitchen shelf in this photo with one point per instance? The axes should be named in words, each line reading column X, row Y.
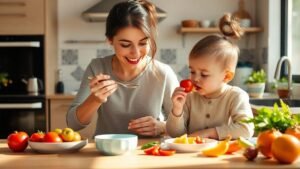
column 186, row 30
column 215, row 30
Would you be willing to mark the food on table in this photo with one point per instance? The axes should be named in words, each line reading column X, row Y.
column 17, row 141
column 58, row 130
column 67, row 134
column 187, row 84
column 295, row 131
column 37, row 137
column 157, row 151
column 149, row 144
column 265, row 140
column 77, row 136
column 184, row 139
column 52, row 137
column 286, row 149
column 234, row 146
column 220, row 149
column 250, row 153
column 244, row 143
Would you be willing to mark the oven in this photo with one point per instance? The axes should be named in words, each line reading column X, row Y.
column 21, row 59
column 22, row 113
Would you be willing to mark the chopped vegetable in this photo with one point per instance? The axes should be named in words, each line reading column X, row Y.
column 149, row 144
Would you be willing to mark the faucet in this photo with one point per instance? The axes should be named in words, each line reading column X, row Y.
column 278, row 70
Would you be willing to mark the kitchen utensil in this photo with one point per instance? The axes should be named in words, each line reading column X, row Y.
column 127, row 85
column 116, row 144
column 34, row 85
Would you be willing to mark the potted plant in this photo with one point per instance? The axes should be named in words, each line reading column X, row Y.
column 256, row 83
column 4, row 80
column 281, row 86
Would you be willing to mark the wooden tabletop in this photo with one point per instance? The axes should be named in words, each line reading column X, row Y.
column 89, row 157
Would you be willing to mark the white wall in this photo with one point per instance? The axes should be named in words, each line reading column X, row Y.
column 73, row 27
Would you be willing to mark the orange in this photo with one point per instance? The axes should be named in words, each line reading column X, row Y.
column 286, row 149
column 233, row 147
column 295, row 131
column 265, row 140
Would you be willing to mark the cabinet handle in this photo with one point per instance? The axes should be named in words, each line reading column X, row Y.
column 12, row 3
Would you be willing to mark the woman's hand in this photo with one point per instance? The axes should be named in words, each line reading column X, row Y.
column 101, row 87
column 178, row 99
column 147, row 126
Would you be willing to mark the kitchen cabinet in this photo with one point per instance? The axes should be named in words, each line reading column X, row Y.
column 58, row 107
column 187, row 30
column 22, row 17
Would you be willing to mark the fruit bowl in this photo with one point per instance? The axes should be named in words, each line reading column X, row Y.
column 189, row 148
column 62, row 147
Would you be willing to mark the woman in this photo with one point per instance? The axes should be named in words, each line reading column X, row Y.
column 131, row 30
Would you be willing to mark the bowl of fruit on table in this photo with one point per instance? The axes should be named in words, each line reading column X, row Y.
column 187, row 144
column 57, row 141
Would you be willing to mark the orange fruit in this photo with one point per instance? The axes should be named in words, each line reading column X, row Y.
column 233, row 147
column 286, row 149
column 265, row 140
column 295, row 131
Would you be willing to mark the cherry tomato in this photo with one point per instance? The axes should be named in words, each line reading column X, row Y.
column 52, row 137
column 187, row 84
column 17, row 141
column 199, row 140
column 166, row 152
column 37, row 137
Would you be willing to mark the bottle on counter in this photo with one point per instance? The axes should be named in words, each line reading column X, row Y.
column 59, row 87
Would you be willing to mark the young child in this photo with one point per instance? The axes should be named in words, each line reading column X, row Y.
column 215, row 109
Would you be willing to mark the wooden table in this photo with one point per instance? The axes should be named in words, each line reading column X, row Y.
column 89, row 157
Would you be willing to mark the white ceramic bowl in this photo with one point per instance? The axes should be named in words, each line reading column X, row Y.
column 116, row 144
column 64, row 147
column 189, row 148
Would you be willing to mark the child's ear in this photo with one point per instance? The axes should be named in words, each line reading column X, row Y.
column 228, row 76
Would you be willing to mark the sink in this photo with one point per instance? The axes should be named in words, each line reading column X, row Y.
column 294, row 104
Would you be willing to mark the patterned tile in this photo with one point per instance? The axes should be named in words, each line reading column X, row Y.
column 69, row 57
column 168, row 56
column 184, row 72
column 104, row 52
column 78, row 73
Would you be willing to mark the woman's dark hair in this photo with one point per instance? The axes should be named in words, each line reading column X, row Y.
column 140, row 14
column 221, row 46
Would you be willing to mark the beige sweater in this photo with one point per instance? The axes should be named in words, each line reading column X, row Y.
column 224, row 113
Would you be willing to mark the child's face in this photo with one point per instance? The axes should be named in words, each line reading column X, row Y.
column 207, row 75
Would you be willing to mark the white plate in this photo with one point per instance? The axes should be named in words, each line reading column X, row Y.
column 189, row 148
column 43, row 147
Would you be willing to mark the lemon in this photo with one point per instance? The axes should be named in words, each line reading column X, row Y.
column 244, row 143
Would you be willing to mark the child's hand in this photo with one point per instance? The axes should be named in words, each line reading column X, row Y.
column 178, row 99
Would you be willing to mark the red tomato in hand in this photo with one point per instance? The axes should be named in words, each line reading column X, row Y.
column 187, row 84
column 17, row 141
column 52, row 137
column 37, row 137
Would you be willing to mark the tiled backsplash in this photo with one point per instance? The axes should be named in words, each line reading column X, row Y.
column 73, row 62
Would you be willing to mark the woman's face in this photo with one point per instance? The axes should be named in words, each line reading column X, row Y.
column 131, row 46
column 207, row 75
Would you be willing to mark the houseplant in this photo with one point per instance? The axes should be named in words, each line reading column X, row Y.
column 4, row 80
column 256, row 83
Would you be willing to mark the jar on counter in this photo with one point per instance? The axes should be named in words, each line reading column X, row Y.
column 243, row 70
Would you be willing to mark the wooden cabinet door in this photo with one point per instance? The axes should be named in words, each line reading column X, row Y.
column 58, row 112
column 22, row 17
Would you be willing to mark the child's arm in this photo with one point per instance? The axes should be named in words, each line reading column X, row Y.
column 175, row 125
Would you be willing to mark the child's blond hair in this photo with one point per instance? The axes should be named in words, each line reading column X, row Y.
column 220, row 46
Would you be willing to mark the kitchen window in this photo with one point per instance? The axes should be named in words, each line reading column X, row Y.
column 290, row 38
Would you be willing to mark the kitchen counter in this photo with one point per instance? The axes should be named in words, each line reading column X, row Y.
column 89, row 157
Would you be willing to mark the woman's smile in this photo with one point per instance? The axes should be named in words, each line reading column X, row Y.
column 133, row 61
